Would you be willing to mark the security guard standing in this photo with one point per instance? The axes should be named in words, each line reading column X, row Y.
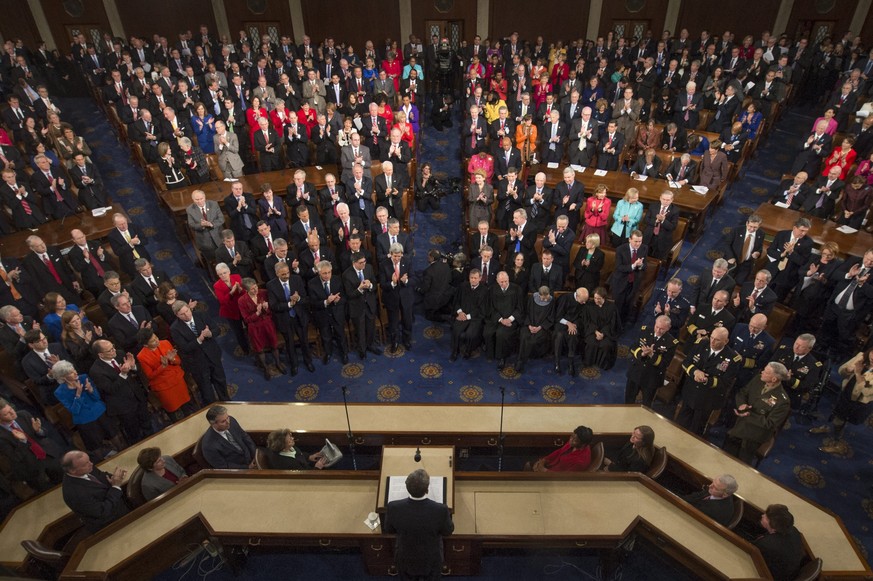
column 803, row 368
column 650, row 361
column 710, row 369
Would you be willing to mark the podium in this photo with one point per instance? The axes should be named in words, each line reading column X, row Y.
column 438, row 461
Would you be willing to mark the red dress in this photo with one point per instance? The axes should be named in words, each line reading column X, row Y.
column 252, row 116
column 595, row 219
column 168, row 382
column 228, row 304
column 408, row 136
column 566, row 459
column 309, row 119
column 262, row 331
column 280, row 123
column 394, row 69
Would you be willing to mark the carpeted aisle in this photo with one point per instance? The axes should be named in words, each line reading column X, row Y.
column 424, row 374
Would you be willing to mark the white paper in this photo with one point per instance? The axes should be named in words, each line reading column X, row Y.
column 641, row 178
column 673, row 184
column 700, row 189
column 846, row 229
column 577, row 168
column 552, row 165
column 397, row 488
column 358, row 123
column 600, row 172
column 781, row 204
column 97, row 212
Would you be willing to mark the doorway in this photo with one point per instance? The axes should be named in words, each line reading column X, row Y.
column 451, row 29
column 630, row 28
column 256, row 30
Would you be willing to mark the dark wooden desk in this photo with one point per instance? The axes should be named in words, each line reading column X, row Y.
column 776, row 219
column 689, row 202
column 178, row 200
column 57, row 232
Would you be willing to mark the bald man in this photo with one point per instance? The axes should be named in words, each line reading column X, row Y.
column 710, row 369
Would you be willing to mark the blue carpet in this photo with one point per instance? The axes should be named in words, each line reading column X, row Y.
column 424, row 374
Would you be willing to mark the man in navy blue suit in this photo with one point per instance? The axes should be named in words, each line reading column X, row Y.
column 420, row 524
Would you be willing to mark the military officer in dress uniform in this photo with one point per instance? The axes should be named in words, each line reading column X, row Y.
column 762, row 407
column 669, row 302
column 651, row 357
column 754, row 344
column 803, row 368
column 710, row 368
column 705, row 320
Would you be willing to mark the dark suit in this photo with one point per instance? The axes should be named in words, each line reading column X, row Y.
column 300, row 237
column 808, row 159
column 290, row 319
column 221, row 454
column 37, row 473
column 819, row 202
column 21, row 219
column 329, row 318
column 677, row 172
column 576, row 195
column 610, row 150
column 733, row 249
column 640, row 168
column 202, row 361
column 124, row 331
column 58, row 201
column 96, row 503
column 124, row 251
column 393, row 203
column 660, row 244
column 125, row 399
column 363, row 305
column 383, row 245
column 547, row 152
column 701, row 294
column 626, row 278
column 398, row 299
column 554, row 279
column 420, row 526
column 786, row 277
column 721, row 511
column 268, row 160
column 144, row 294
column 87, row 269
column 36, row 369
column 91, row 195
column 242, row 221
column 41, row 280
column 246, row 265
column 764, row 302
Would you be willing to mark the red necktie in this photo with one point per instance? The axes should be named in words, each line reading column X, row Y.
column 630, row 277
column 269, row 245
column 51, row 267
column 34, row 447
column 26, row 207
column 94, row 262
column 203, row 211
column 115, row 365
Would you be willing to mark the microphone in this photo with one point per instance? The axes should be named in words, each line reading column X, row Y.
column 417, row 456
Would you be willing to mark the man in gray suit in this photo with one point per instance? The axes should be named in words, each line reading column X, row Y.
column 385, row 87
column 352, row 154
column 205, row 220
column 227, row 147
column 314, row 92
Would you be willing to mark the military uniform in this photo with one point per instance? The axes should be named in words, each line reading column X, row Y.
column 767, row 414
column 805, row 373
column 699, row 398
column 678, row 311
column 707, row 320
column 755, row 351
column 646, row 373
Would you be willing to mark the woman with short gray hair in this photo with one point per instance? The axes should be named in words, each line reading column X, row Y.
column 81, row 398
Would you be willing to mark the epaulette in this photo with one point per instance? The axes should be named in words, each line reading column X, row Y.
column 643, row 328
column 818, row 364
column 738, row 358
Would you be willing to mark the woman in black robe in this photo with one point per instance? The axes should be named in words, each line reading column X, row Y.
column 536, row 332
column 601, row 332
